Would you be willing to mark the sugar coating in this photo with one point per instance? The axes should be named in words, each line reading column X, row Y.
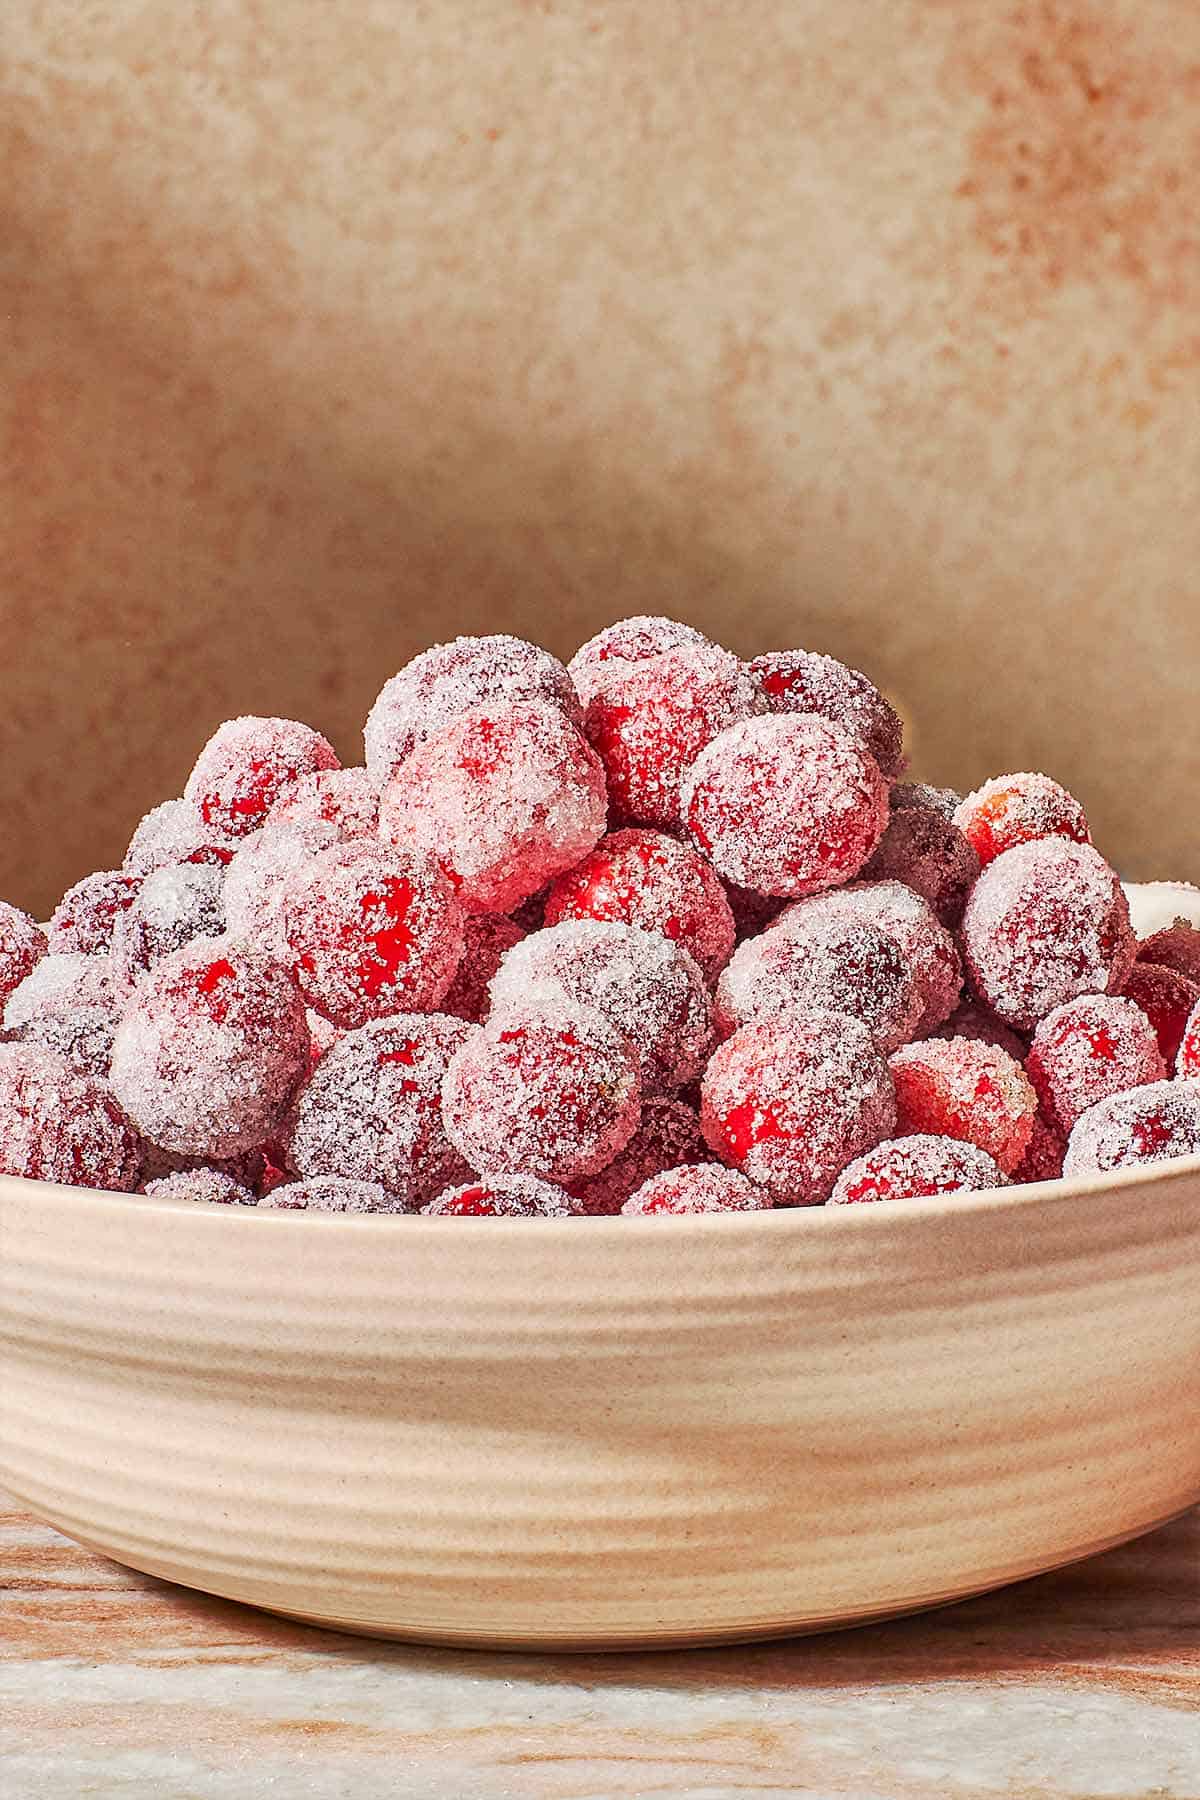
column 60, row 1124
column 248, row 765
column 504, row 1196
column 923, row 1163
column 68, row 1002
column 1187, row 1065
column 1142, row 1125
column 787, row 804
column 487, row 937
column 1043, row 1160
column 1045, row 922
column 970, row 1020
column 792, row 1099
column 1176, row 946
column 347, row 799
column 942, row 800
column 330, row 1193
column 962, row 1088
column 803, row 681
column 631, row 640
column 1168, row 998
column 925, row 944
column 697, row 1188
column 650, row 720
column 927, row 852
column 451, row 679
column 174, row 833
column 647, row 879
column 819, row 959
column 549, row 1092
column 506, row 797
column 209, row 1049
column 83, row 920
column 371, row 1109
column 22, row 944
column 649, row 988
column 1019, row 809
column 668, row 1135
column 212, row 1185
column 264, row 867
column 173, row 906
column 376, row 932
column 1089, row 1048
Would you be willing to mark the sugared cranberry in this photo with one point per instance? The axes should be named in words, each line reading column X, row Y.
column 22, row 944
column 59, row 1124
column 649, row 721
column 649, row 988
column 331, row 1194
column 907, row 1167
column 201, row 1184
column 346, row 799
column 1142, row 1125
column 1046, row 922
column 268, row 864
column 1087, row 1049
column 1176, row 946
column 668, row 1136
column 697, row 1188
column 791, row 1100
column 1019, row 809
column 84, row 918
column 818, row 959
column 248, row 765
column 173, row 906
column 925, row 944
column 1043, row 1160
column 962, row 1088
column 506, row 797
column 487, row 938
column 449, row 680
column 68, row 1003
column 551, row 1093
column 786, row 804
column 802, row 681
column 647, row 879
column 629, row 641
column 371, row 1109
column 970, row 1020
column 1168, row 998
column 372, row 933
column 506, row 1197
column 1187, row 1065
column 927, row 852
column 175, row 833
column 209, row 1049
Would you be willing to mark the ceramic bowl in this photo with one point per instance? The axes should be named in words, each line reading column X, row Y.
column 605, row 1432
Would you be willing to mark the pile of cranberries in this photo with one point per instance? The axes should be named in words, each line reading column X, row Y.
column 660, row 931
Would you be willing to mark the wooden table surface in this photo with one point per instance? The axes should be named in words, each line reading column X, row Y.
column 1085, row 1683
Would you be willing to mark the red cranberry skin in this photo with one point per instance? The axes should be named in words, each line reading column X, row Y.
column 1087, row 1049
column 696, row 1188
column 1019, row 809
column 786, row 805
column 1139, row 1126
column 505, row 798
column 961, row 1088
column 84, row 919
column 61, row 1125
column 1176, row 946
column 1188, row 1063
column 791, row 1100
column 629, row 641
column 1046, row 922
column 1168, row 998
column 504, row 1197
column 1043, row 1161
column 547, row 1092
column 970, row 1020
column 928, row 853
column 649, row 721
column 667, row 1137
column 247, row 767
column 909, row 1168
column 210, row 1049
column 22, row 945
column 802, row 681
column 487, row 939
column 651, row 881
column 371, row 1109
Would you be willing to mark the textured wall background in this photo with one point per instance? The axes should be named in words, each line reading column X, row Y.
column 325, row 331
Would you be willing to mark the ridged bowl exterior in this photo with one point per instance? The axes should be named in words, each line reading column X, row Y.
column 604, row 1432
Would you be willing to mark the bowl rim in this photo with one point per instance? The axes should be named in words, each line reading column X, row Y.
column 920, row 1208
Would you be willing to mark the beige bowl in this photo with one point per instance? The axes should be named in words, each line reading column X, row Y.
column 605, row 1432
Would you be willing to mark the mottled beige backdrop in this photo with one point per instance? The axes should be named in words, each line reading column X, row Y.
column 326, row 330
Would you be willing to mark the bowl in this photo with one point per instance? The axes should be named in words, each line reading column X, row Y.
column 605, row 1433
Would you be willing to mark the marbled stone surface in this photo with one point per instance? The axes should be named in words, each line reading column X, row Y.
column 1083, row 1684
